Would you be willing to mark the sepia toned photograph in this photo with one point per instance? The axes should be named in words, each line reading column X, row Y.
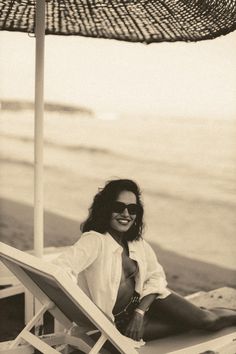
column 118, row 176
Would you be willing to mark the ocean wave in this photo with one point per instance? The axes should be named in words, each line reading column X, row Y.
column 14, row 161
column 25, row 163
column 53, row 144
column 192, row 199
column 154, row 165
column 20, row 105
column 153, row 192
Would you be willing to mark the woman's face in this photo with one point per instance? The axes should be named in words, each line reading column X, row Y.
column 123, row 212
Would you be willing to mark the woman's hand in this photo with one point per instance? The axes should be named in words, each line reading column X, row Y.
column 135, row 327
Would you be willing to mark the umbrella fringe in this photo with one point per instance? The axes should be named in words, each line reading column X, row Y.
column 143, row 21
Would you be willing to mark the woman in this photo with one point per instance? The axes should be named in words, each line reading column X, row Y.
column 119, row 271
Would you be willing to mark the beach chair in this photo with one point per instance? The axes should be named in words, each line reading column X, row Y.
column 59, row 295
column 11, row 285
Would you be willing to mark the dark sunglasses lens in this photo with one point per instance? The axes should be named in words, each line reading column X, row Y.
column 119, row 207
column 133, row 209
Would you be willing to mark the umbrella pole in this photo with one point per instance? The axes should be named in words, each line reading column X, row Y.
column 38, row 128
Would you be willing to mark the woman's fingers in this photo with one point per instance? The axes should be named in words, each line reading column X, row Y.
column 134, row 335
column 134, row 330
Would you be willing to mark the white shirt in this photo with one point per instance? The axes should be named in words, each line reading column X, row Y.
column 95, row 262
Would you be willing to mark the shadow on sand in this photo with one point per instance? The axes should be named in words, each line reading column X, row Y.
column 184, row 275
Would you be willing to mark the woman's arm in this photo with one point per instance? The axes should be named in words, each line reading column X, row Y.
column 154, row 285
column 135, row 327
column 145, row 303
column 155, row 279
column 79, row 256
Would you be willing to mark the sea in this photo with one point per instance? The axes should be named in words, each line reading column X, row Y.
column 186, row 169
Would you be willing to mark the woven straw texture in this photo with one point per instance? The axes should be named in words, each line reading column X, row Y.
column 144, row 21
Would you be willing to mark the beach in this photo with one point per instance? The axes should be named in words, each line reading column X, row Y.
column 185, row 168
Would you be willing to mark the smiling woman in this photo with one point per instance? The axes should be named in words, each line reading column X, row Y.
column 123, row 213
column 117, row 208
column 119, row 271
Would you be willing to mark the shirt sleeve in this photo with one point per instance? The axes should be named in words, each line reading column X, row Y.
column 81, row 255
column 155, row 280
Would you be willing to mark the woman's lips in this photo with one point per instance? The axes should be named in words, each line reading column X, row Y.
column 123, row 221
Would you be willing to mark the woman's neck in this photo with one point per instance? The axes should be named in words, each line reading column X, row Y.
column 117, row 236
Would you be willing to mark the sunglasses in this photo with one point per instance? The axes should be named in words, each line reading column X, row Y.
column 119, row 207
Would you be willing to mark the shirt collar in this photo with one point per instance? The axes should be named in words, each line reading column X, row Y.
column 115, row 245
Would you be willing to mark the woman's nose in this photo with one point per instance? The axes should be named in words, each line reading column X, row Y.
column 125, row 212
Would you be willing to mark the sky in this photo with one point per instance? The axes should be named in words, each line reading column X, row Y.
column 163, row 79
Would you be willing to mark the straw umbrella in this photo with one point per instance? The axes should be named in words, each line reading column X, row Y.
column 145, row 21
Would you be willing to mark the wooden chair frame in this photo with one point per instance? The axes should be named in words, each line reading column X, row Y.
column 28, row 269
column 19, row 263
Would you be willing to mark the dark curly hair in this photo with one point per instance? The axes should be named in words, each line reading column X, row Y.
column 101, row 209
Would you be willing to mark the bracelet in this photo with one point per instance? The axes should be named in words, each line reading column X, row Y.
column 141, row 312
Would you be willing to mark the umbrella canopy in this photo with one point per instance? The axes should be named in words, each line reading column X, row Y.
column 144, row 21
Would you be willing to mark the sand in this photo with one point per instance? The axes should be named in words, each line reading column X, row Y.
column 184, row 275
column 187, row 181
column 186, row 170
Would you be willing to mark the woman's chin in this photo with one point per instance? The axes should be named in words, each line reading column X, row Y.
column 121, row 228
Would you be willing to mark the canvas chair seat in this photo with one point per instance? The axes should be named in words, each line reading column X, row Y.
column 11, row 285
column 9, row 280
column 68, row 305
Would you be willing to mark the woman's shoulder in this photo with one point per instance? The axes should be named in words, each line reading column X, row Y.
column 91, row 237
column 92, row 233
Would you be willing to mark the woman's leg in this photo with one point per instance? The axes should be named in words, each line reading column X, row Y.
column 176, row 314
column 155, row 328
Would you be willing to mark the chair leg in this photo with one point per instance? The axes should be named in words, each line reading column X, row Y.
column 29, row 306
